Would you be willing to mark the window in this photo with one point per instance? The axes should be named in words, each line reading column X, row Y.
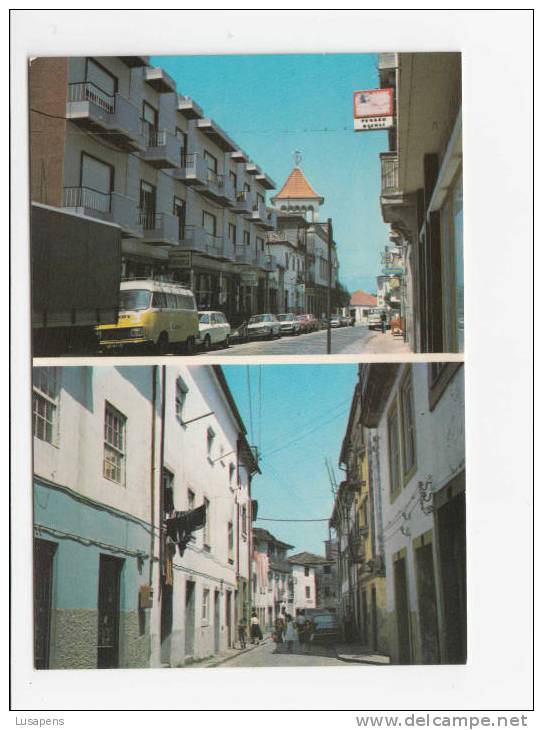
column 191, row 499
column 233, row 179
column 167, row 491
column 326, row 592
column 231, row 471
column 101, row 86
column 230, row 537
column 244, row 520
column 308, row 592
column 209, row 223
column 150, row 123
column 210, row 441
column 306, row 571
column 232, row 233
column 246, row 238
column 394, row 450
column 408, row 424
column 259, row 199
column 211, row 161
column 205, row 605
column 96, row 184
column 182, row 137
column 147, row 204
column 259, row 243
column 114, row 444
column 207, row 530
column 327, row 569
column 181, row 391
column 44, row 403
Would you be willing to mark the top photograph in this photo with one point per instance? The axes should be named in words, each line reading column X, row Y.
column 249, row 205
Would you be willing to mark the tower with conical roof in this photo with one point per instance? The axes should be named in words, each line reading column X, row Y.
column 297, row 195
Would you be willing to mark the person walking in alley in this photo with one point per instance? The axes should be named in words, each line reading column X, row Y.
column 383, row 322
column 291, row 635
column 256, row 632
column 242, row 632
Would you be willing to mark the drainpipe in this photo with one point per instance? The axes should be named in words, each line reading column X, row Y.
column 250, row 550
column 161, row 475
column 153, row 475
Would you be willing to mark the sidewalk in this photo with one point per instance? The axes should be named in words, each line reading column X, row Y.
column 227, row 655
column 360, row 654
column 386, row 344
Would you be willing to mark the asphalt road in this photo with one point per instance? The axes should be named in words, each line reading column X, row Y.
column 270, row 654
column 346, row 340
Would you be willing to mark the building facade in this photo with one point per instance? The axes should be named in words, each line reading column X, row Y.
column 421, row 193
column 360, row 305
column 142, row 515
column 272, row 584
column 113, row 139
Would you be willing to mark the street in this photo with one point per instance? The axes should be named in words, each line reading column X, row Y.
column 345, row 340
column 270, row 654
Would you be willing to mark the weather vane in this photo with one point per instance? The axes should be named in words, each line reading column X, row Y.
column 297, row 158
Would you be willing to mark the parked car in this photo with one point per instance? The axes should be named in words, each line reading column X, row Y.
column 326, row 626
column 213, row 330
column 308, row 322
column 335, row 320
column 263, row 325
column 152, row 313
column 345, row 320
column 374, row 319
column 289, row 324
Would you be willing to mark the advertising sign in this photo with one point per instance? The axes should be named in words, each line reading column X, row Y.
column 373, row 109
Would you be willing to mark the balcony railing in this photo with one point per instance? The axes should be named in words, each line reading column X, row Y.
column 389, row 173
column 243, row 202
column 89, row 105
column 160, row 228
column 113, row 207
column 193, row 169
column 244, row 254
column 196, row 238
column 162, row 149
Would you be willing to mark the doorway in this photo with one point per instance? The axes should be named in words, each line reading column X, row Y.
column 402, row 611
column 217, row 622
column 44, row 552
column 229, row 618
column 109, row 597
column 365, row 637
column 189, row 618
column 374, row 619
column 426, row 589
column 166, row 621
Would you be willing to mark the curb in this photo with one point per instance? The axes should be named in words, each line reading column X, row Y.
column 226, row 659
column 349, row 659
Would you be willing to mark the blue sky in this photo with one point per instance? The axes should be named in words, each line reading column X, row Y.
column 274, row 104
column 299, row 416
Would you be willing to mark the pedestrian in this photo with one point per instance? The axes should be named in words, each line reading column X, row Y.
column 308, row 630
column 279, row 629
column 299, row 623
column 242, row 632
column 256, row 632
column 383, row 322
column 291, row 635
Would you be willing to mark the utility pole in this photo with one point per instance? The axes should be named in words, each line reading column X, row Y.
column 329, row 294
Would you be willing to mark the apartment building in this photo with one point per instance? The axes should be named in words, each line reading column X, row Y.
column 414, row 420
column 309, row 581
column 288, row 244
column 141, row 554
column 114, row 139
column 273, row 593
column 421, row 192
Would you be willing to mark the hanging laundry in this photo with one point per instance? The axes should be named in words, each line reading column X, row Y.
column 180, row 527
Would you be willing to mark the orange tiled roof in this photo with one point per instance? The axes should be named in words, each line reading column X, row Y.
column 296, row 186
column 363, row 299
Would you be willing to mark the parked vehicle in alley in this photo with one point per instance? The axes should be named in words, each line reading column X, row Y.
column 335, row 320
column 152, row 313
column 375, row 319
column 263, row 325
column 213, row 330
column 326, row 627
column 289, row 324
column 345, row 320
column 308, row 322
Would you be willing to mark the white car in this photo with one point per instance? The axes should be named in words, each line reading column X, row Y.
column 289, row 324
column 263, row 325
column 213, row 330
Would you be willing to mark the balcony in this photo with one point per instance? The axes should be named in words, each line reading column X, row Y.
column 196, row 238
column 112, row 208
column 270, row 263
column 135, row 61
column 244, row 255
column 243, row 203
column 216, row 134
column 396, row 207
column 265, row 181
column 159, row 80
column 189, row 108
column 162, row 149
column 259, row 213
column 218, row 188
column 270, row 220
column 193, row 170
column 160, row 229
column 96, row 111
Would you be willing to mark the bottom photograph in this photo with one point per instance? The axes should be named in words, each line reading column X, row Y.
column 249, row 516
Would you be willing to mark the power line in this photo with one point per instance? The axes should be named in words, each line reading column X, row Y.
column 303, row 436
column 287, row 519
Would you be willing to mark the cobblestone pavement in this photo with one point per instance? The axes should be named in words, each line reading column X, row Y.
column 276, row 655
column 345, row 340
